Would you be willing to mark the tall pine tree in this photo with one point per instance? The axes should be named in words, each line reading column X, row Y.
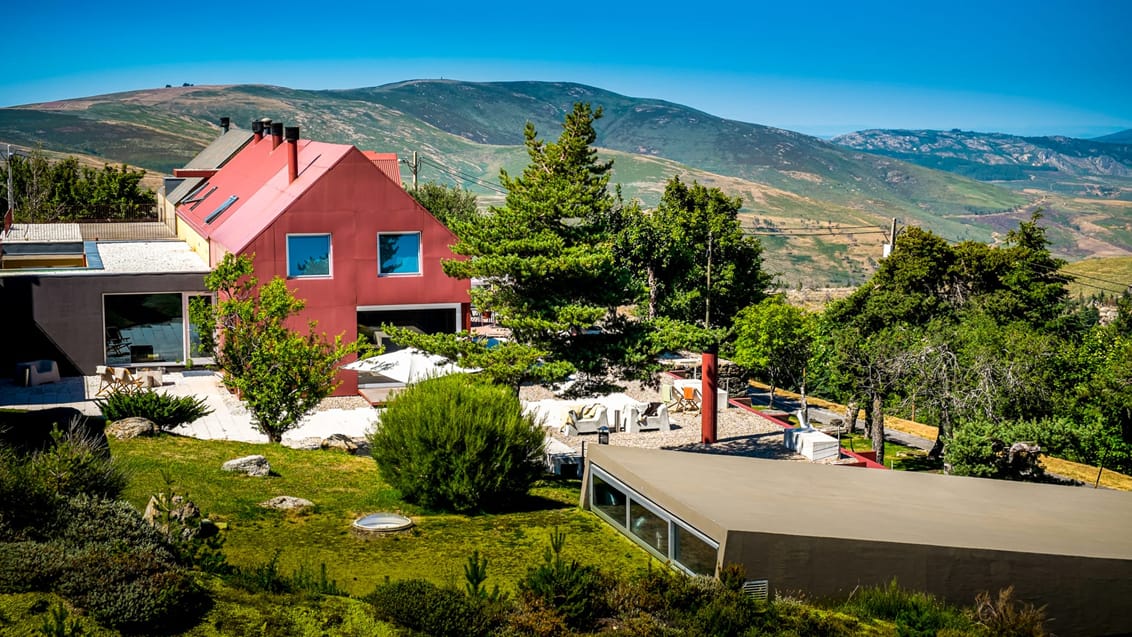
column 546, row 256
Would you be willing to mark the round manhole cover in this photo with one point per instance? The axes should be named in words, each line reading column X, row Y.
column 382, row 523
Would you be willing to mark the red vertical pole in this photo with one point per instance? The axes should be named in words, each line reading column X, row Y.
column 708, row 408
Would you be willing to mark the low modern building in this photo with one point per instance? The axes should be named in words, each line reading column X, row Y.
column 826, row 530
column 85, row 303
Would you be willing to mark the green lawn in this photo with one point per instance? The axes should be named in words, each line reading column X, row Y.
column 896, row 456
column 345, row 487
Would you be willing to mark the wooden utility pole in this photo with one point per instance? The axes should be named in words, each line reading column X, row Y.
column 416, row 167
column 707, row 293
column 10, row 215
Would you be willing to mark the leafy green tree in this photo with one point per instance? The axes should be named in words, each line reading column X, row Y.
column 776, row 339
column 547, row 257
column 702, row 269
column 281, row 374
column 46, row 191
column 453, row 206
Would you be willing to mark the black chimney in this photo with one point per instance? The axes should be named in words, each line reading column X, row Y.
column 257, row 129
column 225, row 122
column 276, row 134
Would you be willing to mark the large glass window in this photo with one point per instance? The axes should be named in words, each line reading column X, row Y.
column 398, row 253
column 609, row 500
column 195, row 350
column 308, row 255
column 650, row 527
column 144, row 328
column 693, row 553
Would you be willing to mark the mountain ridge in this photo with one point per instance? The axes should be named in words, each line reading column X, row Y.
column 472, row 130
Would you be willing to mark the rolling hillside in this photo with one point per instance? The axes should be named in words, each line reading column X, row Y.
column 999, row 157
column 1122, row 137
column 466, row 132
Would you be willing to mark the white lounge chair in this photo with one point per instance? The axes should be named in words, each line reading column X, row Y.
column 39, row 372
column 586, row 420
column 654, row 418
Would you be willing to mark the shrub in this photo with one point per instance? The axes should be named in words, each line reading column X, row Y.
column 131, row 590
column 448, row 443
column 1003, row 617
column 29, row 566
column 85, row 520
column 982, row 449
column 426, row 607
column 576, row 591
column 77, row 463
column 160, row 408
column 916, row 614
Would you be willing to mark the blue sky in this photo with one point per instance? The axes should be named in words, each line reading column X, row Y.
column 1034, row 67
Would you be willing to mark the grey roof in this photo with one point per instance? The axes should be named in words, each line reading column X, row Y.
column 718, row 493
column 212, row 157
column 183, row 189
column 220, row 150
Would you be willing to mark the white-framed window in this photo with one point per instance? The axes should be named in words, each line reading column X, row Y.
column 651, row 526
column 398, row 253
column 308, row 255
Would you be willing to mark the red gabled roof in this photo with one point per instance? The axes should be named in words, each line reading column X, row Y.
column 257, row 177
column 387, row 162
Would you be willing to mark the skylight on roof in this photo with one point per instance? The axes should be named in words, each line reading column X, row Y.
column 191, row 197
column 197, row 202
column 220, row 209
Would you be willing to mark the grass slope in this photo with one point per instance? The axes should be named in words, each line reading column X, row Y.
column 1111, row 276
column 344, row 488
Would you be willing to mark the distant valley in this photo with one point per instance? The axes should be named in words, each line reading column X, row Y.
column 820, row 207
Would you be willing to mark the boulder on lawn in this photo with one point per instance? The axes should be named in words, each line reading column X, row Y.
column 286, row 503
column 179, row 509
column 340, row 442
column 251, row 465
column 133, row 427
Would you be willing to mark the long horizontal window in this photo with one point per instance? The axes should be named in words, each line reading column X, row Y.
column 650, row 525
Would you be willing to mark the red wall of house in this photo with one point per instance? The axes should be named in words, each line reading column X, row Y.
column 353, row 201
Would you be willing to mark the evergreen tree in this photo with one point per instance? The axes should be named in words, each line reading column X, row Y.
column 547, row 258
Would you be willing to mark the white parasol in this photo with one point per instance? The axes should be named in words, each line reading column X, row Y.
column 408, row 365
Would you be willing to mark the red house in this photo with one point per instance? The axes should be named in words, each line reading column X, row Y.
column 334, row 223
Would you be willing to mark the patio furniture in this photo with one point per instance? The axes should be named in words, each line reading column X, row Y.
column 586, row 420
column 142, row 354
column 106, row 380
column 37, row 372
column 116, row 344
column 126, row 381
column 687, row 399
column 653, row 418
column 151, row 377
